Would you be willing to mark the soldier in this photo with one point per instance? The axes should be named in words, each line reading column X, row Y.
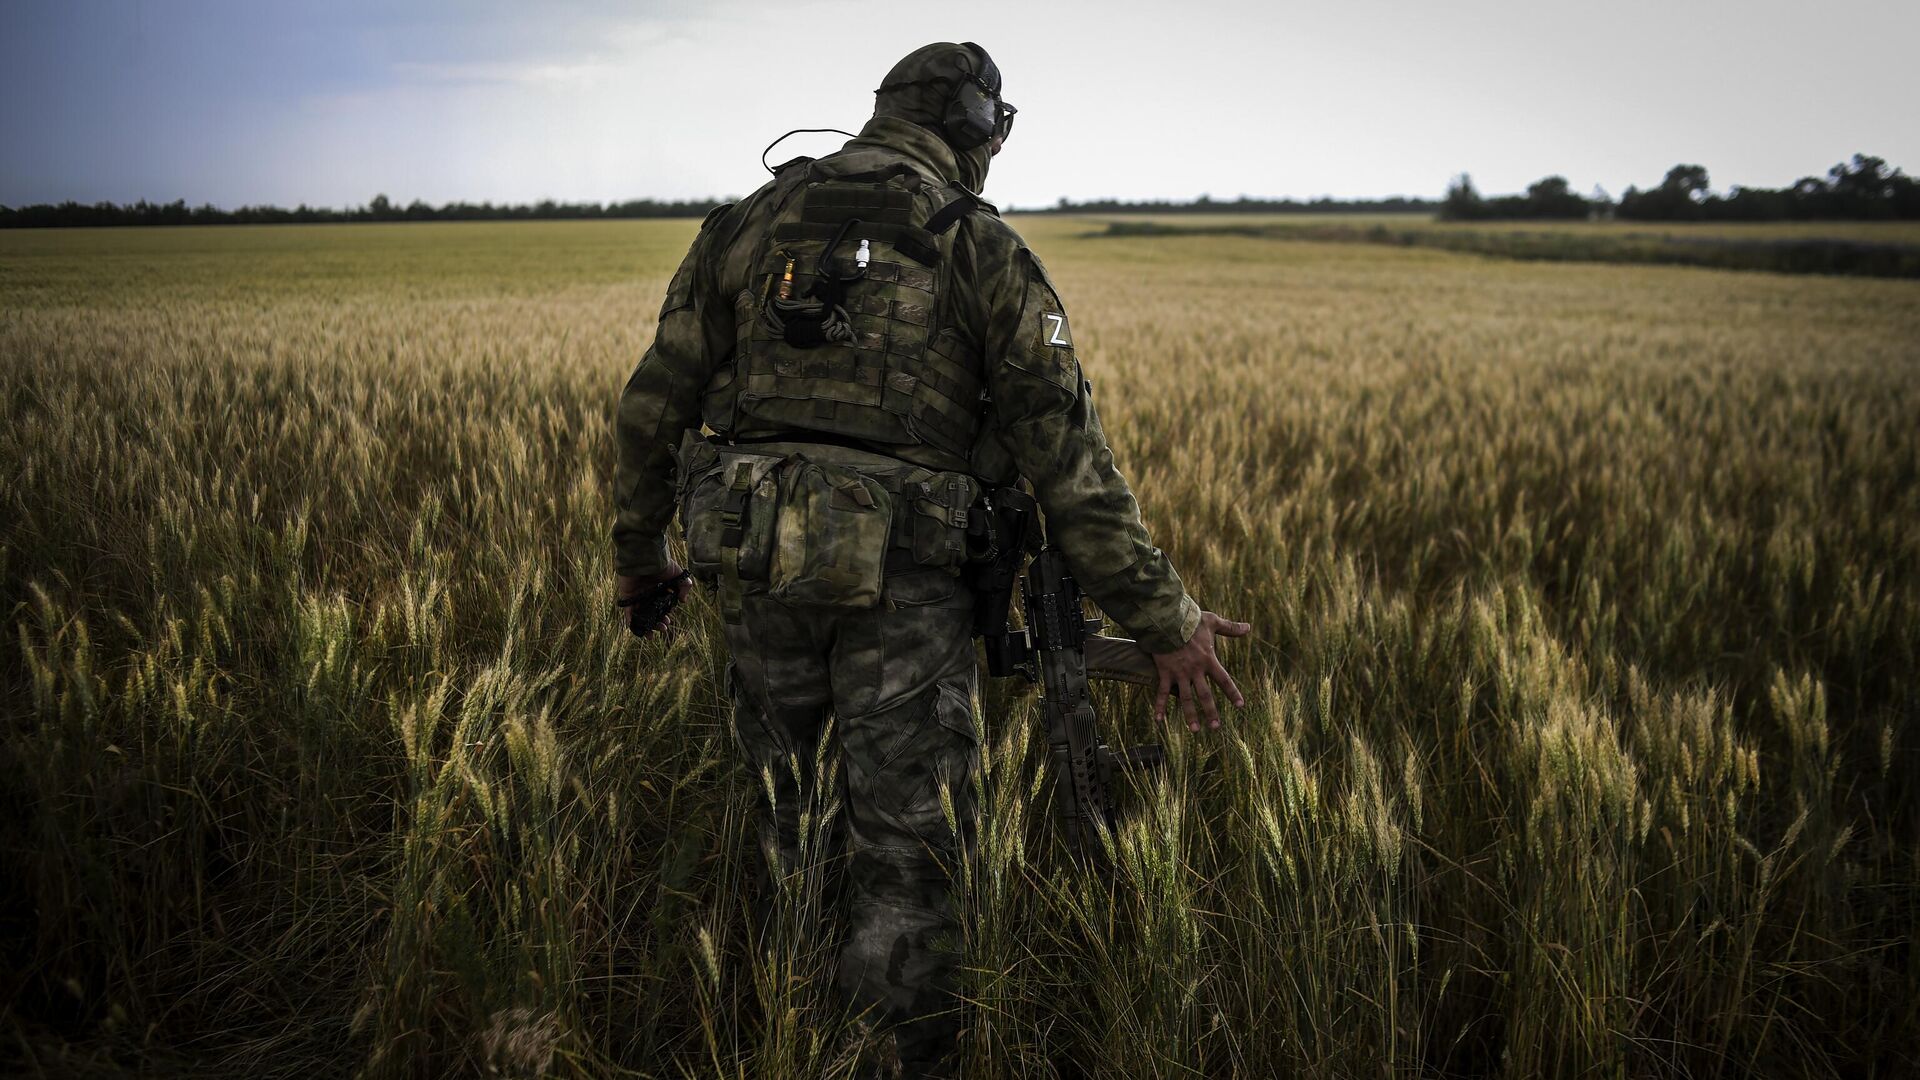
column 872, row 349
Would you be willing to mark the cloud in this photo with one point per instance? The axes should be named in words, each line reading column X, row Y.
column 236, row 101
column 509, row 73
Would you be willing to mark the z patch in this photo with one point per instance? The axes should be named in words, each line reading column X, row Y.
column 1053, row 330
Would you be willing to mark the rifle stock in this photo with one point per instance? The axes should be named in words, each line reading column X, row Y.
column 1121, row 660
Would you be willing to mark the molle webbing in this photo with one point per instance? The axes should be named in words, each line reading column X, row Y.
column 894, row 373
column 913, row 314
column 913, row 277
column 915, row 243
column 878, row 204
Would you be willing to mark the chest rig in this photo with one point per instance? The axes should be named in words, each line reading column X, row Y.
column 842, row 329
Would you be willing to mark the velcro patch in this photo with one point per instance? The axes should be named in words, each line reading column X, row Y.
column 1053, row 330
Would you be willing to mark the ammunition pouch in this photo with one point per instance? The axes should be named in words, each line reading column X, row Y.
column 817, row 525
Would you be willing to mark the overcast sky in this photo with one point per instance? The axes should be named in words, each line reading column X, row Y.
column 332, row 101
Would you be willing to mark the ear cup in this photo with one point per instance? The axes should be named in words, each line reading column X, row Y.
column 970, row 117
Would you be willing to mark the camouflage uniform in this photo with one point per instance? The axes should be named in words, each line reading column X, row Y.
column 899, row 679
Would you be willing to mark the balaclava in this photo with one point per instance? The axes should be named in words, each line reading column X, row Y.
column 920, row 88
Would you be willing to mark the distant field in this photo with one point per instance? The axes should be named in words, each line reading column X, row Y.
column 1882, row 257
column 1886, row 232
column 1585, row 690
column 45, row 267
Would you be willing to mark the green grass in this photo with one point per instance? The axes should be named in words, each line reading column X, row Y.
column 1581, row 739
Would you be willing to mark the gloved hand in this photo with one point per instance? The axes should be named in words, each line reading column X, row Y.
column 647, row 603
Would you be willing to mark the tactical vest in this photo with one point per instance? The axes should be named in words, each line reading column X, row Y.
column 843, row 329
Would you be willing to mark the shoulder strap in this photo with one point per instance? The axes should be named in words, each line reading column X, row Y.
column 945, row 217
column 733, row 515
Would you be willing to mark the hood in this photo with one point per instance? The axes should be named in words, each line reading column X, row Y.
column 925, row 148
column 916, row 91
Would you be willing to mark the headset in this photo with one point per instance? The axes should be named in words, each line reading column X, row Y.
column 975, row 112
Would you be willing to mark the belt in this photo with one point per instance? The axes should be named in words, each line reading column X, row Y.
column 817, row 438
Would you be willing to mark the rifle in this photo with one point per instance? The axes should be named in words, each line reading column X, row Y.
column 1060, row 649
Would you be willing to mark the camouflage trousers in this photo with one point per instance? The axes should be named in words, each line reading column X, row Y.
column 898, row 682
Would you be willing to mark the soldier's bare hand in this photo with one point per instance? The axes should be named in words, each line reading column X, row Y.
column 1194, row 669
column 628, row 586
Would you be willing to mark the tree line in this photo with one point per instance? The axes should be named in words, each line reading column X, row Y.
column 1864, row 189
column 380, row 209
column 1398, row 204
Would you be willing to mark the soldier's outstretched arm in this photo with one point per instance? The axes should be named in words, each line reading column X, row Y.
column 1046, row 418
column 660, row 402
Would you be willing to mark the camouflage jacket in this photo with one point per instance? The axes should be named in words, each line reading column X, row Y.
column 1042, row 424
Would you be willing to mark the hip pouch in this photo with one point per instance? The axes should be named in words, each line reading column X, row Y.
column 831, row 537
column 728, row 501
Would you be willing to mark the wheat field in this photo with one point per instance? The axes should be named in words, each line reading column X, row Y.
column 1581, row 738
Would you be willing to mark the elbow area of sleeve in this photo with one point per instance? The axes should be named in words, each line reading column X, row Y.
column 1149, row 602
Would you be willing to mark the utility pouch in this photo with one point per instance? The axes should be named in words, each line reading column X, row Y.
column 727, row 513
column 830, row 541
